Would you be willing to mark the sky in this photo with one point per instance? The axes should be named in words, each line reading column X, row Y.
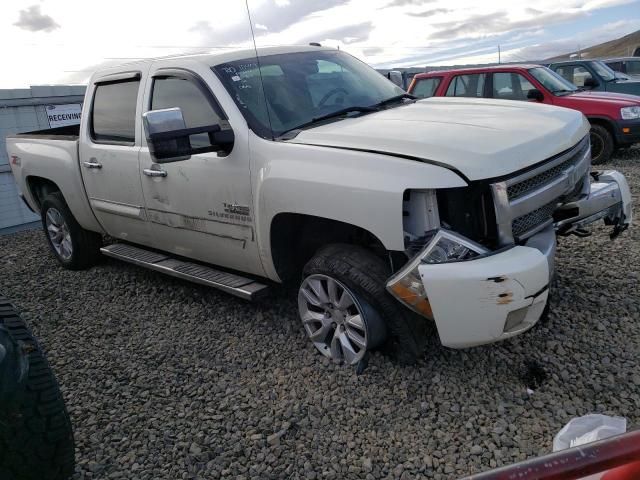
column 63, row 41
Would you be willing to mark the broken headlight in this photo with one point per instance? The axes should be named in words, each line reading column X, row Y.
column 440, row 246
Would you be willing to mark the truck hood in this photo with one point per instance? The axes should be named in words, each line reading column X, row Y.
column 479, row 138
column 613, row 98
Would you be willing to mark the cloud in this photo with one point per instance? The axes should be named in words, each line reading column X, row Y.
column 404, row 3
column 496, row 23
column 33, row 20
column 348, row 34
column 429, row 13
column 278, row 15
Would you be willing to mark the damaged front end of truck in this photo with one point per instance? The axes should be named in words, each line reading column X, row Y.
column 482, row 271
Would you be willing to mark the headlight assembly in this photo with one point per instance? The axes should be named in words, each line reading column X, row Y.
column 442, row 246
column 630, row 113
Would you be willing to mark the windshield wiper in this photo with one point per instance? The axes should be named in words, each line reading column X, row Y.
column 396, row 98
column 337, row 113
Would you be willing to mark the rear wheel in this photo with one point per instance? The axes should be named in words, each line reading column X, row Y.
column 346, row 310
column 73, row 246
column 602, row 144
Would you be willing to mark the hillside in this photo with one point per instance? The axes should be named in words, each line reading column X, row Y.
column 620, row 47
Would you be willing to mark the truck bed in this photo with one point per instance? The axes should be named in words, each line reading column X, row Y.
column 69, row 132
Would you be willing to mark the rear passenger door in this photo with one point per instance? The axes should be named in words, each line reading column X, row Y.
column 109, row 149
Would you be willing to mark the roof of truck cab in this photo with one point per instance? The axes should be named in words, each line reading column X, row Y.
column 212, row 58
column 519, row 66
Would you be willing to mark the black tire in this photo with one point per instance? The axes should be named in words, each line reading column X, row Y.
column 86, row 244
column 366, row 275
column 36, row 438
column 602, row 144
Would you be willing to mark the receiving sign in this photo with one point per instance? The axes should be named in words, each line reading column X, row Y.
column 63, row 115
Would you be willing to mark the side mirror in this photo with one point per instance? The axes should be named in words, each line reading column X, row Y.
column 169, row 138
column 591, row 82
column 535, row 94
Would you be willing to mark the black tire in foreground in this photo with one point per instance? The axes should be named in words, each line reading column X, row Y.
column 366, row 275
column 73, row 246
column 36, row 439
column 602, row 144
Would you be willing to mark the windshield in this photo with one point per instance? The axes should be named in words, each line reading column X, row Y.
column 603, row 70
column 300, row 87
column 552, row 81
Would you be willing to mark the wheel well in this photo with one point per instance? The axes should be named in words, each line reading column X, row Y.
column 606, row 124
column 295, row 238
column 41, row 187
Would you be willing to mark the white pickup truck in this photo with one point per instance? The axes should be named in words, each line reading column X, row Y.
column 237, row 171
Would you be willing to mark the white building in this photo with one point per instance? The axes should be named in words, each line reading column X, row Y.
column 24, row 110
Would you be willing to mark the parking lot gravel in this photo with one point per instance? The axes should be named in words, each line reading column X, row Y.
column 167, row 380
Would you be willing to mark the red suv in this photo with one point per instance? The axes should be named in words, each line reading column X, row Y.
column 614, row 117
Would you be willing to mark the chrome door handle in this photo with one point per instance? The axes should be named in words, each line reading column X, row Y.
column 154, row 173
column 92, row 164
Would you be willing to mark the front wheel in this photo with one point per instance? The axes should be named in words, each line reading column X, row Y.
column 346, row 310
column 73, row 246
column 601, row 144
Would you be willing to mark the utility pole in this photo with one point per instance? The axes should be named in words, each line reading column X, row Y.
column 579, row 53
column 499, row 54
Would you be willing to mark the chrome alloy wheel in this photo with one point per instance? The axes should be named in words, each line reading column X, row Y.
column 333, row 319
column 59, row 235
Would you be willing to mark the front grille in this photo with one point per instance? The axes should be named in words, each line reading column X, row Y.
column 520, row 189
column 535, row 193
column 533, row 220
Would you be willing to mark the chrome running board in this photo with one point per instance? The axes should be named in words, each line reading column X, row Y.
column 228, row 282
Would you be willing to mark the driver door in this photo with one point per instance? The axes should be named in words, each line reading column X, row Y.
column 199, row 207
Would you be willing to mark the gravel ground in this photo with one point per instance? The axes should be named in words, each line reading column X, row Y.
column 164, row 379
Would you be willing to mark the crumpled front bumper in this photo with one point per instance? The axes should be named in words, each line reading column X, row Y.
column 488, row 299
column 502, row 294
column 609, row 199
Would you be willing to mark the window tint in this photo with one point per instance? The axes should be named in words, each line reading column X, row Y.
column 295, row 88
column 511, row 86
column 617, row 66
column 171, row 92
column 426, row 87
column 467, row 86
column 633, row 67
column 580, row 75
column 113, row 115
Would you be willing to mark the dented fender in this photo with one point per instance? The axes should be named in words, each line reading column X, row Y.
column 473, row 300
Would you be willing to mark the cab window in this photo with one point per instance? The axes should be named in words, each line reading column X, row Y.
column 633, row 67
column 511, row 86
column 426, row 87
column 575, row 74
column 113, row 116
column 471, row 85
column 170, row 92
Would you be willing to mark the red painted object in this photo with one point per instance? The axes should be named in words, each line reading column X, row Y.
column 515, row 82
column 617, row 458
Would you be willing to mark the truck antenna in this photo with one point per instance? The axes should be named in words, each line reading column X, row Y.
column 255, row 47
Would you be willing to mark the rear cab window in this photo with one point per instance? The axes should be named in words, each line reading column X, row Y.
column 113, row 114
column 426, row 87
column 468, row 85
